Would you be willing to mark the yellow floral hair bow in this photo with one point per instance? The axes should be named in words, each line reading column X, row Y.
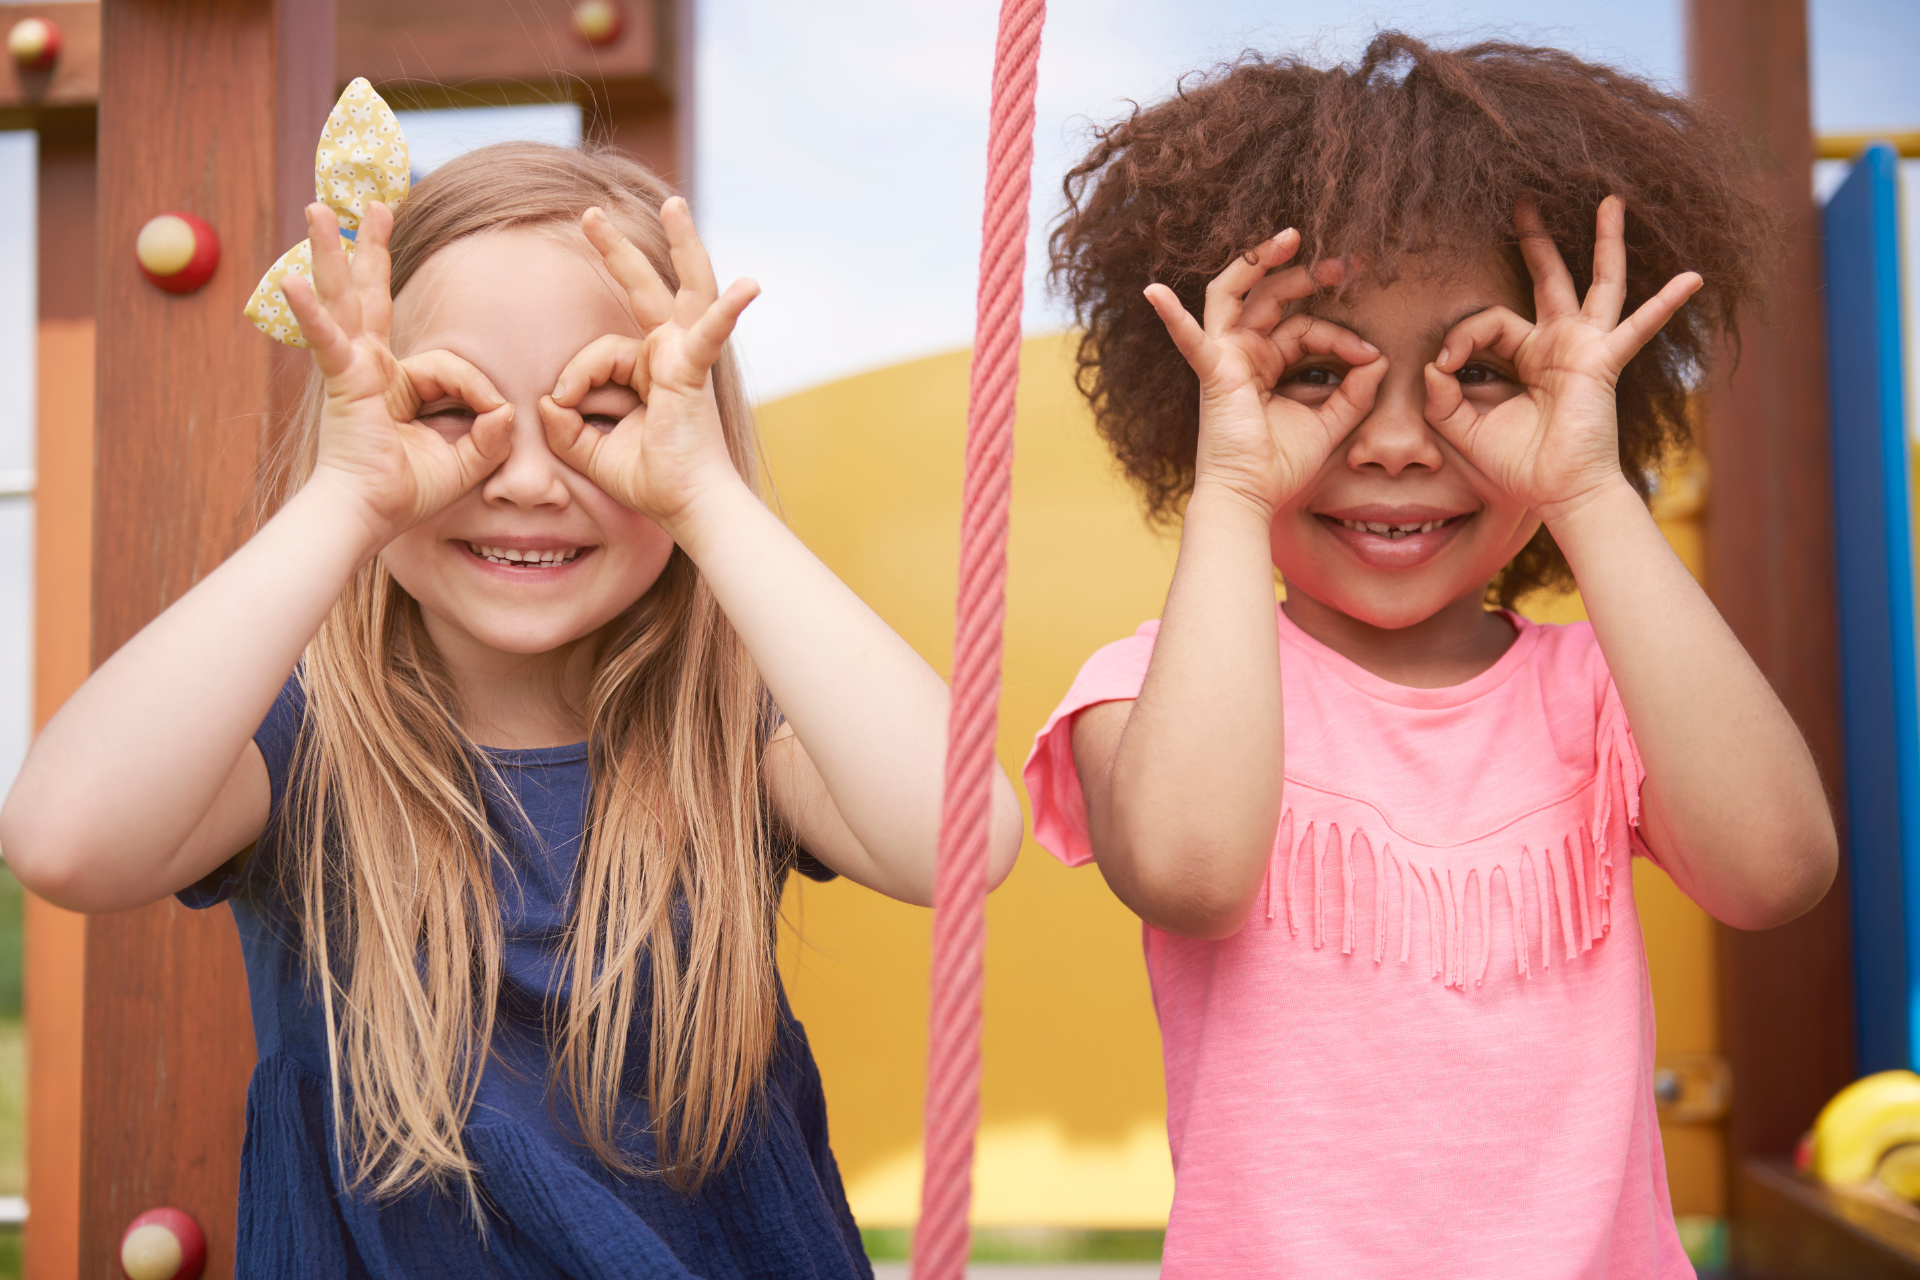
column 362, row 158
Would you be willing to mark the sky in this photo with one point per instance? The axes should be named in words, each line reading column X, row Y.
column 17, row 241
column 841, row 143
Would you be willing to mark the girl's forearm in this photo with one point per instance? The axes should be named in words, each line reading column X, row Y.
column 125, row 772
column 869, row 713
column 1193, row 797
column 1732, row 805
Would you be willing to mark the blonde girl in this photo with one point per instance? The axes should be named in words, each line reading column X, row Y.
column 501, row 737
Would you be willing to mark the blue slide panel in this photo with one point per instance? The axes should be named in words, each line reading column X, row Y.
column 1874, row 540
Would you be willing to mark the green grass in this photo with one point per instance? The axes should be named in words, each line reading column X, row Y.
column 9, row 944
column 13, row 1108
column 13, row 1069
column 1028, row 1244
column 1705, row 1240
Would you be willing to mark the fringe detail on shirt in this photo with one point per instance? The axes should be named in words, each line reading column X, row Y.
column 1571, row 875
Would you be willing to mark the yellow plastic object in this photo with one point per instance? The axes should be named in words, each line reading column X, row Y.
column 1900, row 1171
column 1862, row 1123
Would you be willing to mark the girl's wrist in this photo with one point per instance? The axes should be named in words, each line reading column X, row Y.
column 712, row 509
column 1233, row 500
column 1592, row 513
column 345, row 518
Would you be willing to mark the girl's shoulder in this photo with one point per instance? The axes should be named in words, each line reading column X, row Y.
column 1540, row 722
column 1561, row 659
column 1568, row 665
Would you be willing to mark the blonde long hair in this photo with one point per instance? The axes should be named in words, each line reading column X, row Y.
column 675, row 895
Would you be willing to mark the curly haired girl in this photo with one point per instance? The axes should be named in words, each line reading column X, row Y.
column 1451, row 305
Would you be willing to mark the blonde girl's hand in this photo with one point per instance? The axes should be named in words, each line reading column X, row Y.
column 662, row 456
column 1253, row 441
column 1556, row 444
column 376, row 444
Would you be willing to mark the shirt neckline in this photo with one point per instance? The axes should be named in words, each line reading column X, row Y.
column 535, row 757
column 1378, row 687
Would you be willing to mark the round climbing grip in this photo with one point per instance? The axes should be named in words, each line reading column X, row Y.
column 34, row 44
column 163, row 1244
column 177, row 251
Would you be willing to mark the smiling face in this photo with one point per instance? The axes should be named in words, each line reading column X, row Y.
column 1398, row 525
column 535, row 557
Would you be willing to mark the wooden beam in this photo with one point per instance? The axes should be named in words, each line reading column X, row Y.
column 640, row 117
column 1797, row 1229
column 1787, row 1000
column 461, row 52
column 55, row 942
column 440, row 53
column 202, row 105
column 454, row 53
column 74, row 80
column 1848, row 146
column 419, row 53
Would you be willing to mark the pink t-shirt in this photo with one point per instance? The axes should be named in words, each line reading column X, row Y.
column 1430, row 1050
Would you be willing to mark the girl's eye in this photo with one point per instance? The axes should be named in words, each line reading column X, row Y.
column 601, row 421
column 1318, row 375
column 455, row 418
column 1474, row 375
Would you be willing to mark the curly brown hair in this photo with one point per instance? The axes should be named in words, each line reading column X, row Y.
column 1413, row 151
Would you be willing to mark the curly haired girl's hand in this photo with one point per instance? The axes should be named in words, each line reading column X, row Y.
column 1556, row 445
column 376, row 444
column 662, row 456
column 1264, row 446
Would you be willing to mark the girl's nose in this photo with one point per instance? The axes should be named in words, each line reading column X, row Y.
column 1395, row 435
column 531, row 476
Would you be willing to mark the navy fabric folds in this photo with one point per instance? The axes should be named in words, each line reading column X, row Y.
column 776, row 1209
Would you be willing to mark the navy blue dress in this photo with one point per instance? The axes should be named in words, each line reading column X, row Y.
column 776, row 1208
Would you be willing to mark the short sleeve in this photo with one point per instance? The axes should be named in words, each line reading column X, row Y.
column 248, row 869
column 1622, row 775
column 1113, row 674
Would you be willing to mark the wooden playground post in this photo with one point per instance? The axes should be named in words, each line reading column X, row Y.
column 210, row 106
column 140, row 1033
column 1787, row 994
column 63, row 523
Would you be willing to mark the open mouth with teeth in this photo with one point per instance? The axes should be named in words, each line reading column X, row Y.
column 514, row 558
column 1394, row 532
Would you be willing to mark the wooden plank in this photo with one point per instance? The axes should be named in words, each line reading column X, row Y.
column 1847, row 146
column 420, row 52
column 1794, row 1229
column 193, row 95
column 55, row 941
column 649, row 134
column 641, row 117
column 1787, row 1000
column 75, row 78
column 458, row 52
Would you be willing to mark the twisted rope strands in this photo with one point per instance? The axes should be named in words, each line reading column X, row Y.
column 940, row 1242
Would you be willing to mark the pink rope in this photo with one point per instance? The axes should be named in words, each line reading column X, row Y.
column 940, row 1242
